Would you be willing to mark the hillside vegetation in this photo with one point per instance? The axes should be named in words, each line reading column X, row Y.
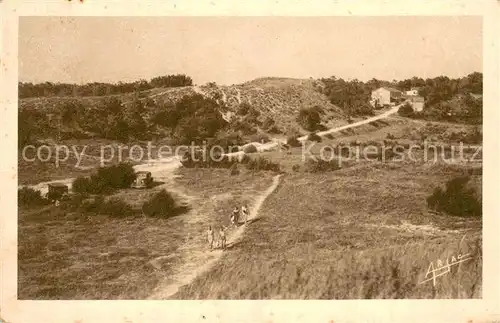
column 260, row 106
column 453, row 100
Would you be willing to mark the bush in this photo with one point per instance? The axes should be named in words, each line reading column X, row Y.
column 274, row 130
column 314, row 137
column 106, row 180
column 98, row 205
column 244, row 109
column 27, row 196
column 296, row 167
column 406, row 110
column 268, row 123
column 320, row 165
column 245, row 126
column 293, row 142
column 229, row 141
column 250, row 149
column 115, row 207
column 309, row 119
column 161, row 204
column 261, row 163
column 261, row 138
column 456, row 199
column 81, row 185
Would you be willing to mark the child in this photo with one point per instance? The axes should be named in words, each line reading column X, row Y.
column 210, row 237
column 244, row 211
column 222, row 236
column 234, row 216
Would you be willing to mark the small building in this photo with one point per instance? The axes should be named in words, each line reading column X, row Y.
column 413, row 92
column 143, row 179
column 56, row 191
column 417, row 103
column 386, row 96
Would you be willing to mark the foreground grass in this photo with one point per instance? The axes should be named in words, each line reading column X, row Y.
column 74, row 256
column 71, row 256
column 360, row 232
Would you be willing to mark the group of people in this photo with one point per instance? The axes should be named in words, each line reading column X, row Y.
column 234, row 220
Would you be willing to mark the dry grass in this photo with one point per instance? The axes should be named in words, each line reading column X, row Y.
column 341, row 236
column 74, row 256
column 71, row 256
column 360, row 232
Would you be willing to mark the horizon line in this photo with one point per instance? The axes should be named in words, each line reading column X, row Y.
column 247, row 81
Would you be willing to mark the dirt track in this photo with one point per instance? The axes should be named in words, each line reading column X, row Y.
column 197, row 259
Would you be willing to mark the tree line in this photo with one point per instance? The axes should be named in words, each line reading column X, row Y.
column 47, row 89
column 193, row 118
column 353, row 96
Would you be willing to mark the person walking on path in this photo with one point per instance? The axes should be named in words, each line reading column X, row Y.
column 222, row 235
column 235, row 215
column 244, row 212
column 210, row 237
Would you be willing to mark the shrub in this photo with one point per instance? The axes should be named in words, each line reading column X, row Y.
column 309, row 119
column 162, row 204
column 406, row 110
column 314, row 137
column 268, row 123
column 456, row 199
column 229, row 141
column 293, row 142
column 245, row 126
column 250, row 149
column 329, row 136
column 243, row 109
column 81, row 185
column 474, row 137
column 115, row 207
column 274, row 130
column 321, row 165
column 390, row 136
column 261, row 163
column 27, row 196
column 296, row 167
column 106, row 180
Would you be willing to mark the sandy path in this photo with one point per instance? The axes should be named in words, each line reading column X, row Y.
column 275, row 141
column 197, row 259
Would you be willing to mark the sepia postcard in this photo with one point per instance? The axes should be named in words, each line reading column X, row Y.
column 249, row 162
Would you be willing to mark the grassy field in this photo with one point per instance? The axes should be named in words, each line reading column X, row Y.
column 65, row 255
column 361, row 232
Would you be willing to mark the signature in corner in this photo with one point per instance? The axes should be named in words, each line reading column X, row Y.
column 442, row 268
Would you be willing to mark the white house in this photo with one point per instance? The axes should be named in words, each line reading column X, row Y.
column 385, row 96
column 413, row 91
column 417, row 103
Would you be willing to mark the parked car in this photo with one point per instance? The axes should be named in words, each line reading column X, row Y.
column 57, row 191
column 143, row 180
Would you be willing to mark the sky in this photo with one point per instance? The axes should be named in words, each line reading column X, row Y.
column 232, row 50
